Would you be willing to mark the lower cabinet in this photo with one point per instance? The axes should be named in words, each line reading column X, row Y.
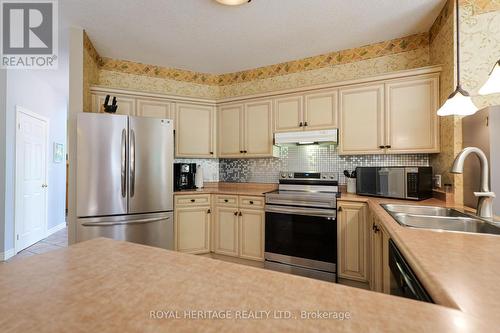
column 192, row 225
column 380, row 272
column 251, row 227
column 239, row 226
column 226, row 231
column 353, row 241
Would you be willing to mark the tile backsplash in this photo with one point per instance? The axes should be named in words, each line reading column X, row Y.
column 210, row 167
column 319, row 158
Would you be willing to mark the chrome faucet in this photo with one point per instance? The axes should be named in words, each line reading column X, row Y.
column 485, row 202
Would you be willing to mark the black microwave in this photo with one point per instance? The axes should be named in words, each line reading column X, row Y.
column 413, row 183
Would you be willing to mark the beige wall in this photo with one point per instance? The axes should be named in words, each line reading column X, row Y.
column 479, row 50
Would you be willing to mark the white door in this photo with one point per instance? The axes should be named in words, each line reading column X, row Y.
column 31, row 178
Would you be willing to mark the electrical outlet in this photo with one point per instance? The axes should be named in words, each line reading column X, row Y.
column 437, row 181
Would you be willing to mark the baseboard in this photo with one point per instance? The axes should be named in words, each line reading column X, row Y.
column 7, row 255
column 56, row 228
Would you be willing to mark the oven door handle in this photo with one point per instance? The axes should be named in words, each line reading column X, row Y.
column 328, row 214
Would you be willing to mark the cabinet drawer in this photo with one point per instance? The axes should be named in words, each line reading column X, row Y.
column 192, row 200
column 226, row 200
column 251, row 202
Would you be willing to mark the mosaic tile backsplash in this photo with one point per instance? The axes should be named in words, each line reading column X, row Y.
column 316, row 158
column 210, row 167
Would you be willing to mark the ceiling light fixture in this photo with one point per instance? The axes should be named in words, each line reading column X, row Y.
column 492, row 86
column 233, row 2
column 459, row 103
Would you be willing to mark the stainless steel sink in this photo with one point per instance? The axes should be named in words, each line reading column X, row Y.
column 463, row 224
column 423, row 210
column 440, row 218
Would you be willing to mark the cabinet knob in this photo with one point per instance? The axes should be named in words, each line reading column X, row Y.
column 340, row 208
column 388, row 146
column 235, row 213
column 251, row 202
column 241, row 214
column 241, row 151
column 381, row 147
column 300, row 124
column 305, row 124
column 245, row 151
column 211, row 153
column 193, row 200
column 209, row 211
column 225, row 200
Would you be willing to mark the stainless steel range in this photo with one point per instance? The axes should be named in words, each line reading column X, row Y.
column 301, row 225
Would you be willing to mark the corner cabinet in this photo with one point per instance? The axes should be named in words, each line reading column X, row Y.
column 194, row 131
column 411, row 122
column 393, row 117
column 245, row 130
column 353, row 241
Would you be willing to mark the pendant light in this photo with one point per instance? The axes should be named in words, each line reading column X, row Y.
column 493, row 84
column 232, row 2
column 459, row 102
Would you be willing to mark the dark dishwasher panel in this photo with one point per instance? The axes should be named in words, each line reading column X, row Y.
column 404, row 282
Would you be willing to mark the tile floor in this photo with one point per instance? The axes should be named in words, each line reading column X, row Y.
column 55, row 241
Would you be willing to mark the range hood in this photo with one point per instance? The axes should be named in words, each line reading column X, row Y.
column 306, row 137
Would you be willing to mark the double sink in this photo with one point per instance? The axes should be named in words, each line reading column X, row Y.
column 440, row 218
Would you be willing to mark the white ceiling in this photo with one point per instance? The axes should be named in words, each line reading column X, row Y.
column 201, row 35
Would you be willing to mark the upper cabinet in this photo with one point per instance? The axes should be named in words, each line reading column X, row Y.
column 245, row 129
column 397, row 116
column 320, row 110
column 194, row 131
column 392, row 114
column 362, row 119
column 155, row 108
column 311, row 111
column 288, row 114
column 411, row 120
column 126, row 104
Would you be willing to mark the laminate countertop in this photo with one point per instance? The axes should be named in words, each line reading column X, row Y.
column 252, row 189
column 459, row 270
column 105, row 285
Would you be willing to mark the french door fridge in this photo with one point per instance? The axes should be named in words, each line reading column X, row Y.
column 124, row 178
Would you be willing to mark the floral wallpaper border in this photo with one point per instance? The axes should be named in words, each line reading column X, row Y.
column 390, row 47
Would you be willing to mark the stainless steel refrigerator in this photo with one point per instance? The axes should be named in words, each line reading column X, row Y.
column 482, row 130
column 124, row 179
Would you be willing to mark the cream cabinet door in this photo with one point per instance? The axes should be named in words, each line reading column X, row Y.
column 412, row 124
column 353, row 241
column 154, row 108
column 288, row 114
column 258, row 133
column 192, row 229
column 230, row 136
column 195, row 128
column 226, row 231
column 320, row 110
column 362, row 119
column 252, row 234
column 126, row 105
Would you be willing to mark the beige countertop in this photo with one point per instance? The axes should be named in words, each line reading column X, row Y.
column 111, row 286
column 459, row 270
column 254, row 189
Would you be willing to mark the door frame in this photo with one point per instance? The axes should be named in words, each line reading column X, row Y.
column 20, row 109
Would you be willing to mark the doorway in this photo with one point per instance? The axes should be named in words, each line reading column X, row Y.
column 31, row 205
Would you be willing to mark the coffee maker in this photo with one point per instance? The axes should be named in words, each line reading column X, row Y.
column 184, row 176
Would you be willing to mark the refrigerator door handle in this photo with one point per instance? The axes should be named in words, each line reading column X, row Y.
column 132, row 163
column 124, row 163
column 142, row 221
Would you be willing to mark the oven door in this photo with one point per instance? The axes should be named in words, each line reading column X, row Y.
column 302, row 237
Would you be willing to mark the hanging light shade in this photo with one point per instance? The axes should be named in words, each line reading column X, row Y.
column 492, row 86
column 232, row 2
column 459, row 103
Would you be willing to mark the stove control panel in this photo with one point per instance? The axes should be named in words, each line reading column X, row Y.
column 320, row 176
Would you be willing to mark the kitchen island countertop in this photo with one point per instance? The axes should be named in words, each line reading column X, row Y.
column 104, row 285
